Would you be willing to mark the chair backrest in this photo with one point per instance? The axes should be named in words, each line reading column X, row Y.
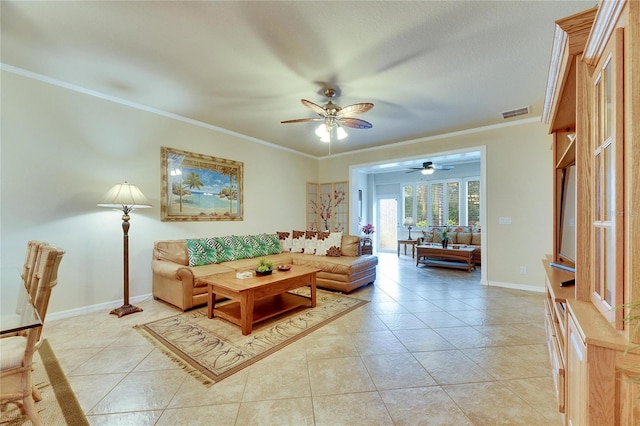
column 28, row 267
column 45, row 277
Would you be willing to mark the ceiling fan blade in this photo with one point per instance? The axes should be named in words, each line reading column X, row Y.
column 355, row 123
column 302, row 120
column 314, row 107
column 443, row 167
column 355, row 109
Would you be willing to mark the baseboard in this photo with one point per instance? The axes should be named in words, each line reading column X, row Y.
column 523, row 287
column 53, row 316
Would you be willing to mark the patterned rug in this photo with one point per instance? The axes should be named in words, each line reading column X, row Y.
column 59, row 405
column 212, row 349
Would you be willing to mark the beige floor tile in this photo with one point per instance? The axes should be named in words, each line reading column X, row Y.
column 439, row 319
column 394, row 371
column 338, row 376
column 420, row 340
column 268, row 380
column 90, row 390
column 423, row 406
column 156, row 360
column 465, row 337
column 512, row 362
column 297, row 411
column 540, row 393
column 193, row 393
column 220, row 415
column 377, row 342
column 366, row 408
column 400, row 321
column 449, row 367
column 493, row 403
column 147, row 390
column 140, row 418
column 113, row 359
column 329, row 346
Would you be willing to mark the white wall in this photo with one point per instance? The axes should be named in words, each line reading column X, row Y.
column 518, row 185
column 63, row 150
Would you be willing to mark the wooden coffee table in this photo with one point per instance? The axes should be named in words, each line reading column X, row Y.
column 459, row 257
column 259, row 298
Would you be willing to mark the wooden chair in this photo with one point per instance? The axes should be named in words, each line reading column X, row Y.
column 33, row 248
column 16, row 356
column 16, row 352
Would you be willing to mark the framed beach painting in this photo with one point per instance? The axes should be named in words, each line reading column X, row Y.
column 197, row 187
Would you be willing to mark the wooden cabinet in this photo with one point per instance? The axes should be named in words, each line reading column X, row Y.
column 593, row 94
column 576, row 413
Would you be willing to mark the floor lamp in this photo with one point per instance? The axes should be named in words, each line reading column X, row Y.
column 125, row 196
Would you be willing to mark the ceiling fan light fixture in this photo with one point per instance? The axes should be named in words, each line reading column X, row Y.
column 428, row 171
column 329, row 132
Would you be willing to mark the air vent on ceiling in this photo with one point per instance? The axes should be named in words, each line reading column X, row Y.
column 515, row 112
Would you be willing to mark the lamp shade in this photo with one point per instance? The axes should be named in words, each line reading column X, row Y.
column 125, row 194
column 408, row 221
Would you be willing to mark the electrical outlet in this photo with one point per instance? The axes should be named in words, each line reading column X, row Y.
column 523, row 270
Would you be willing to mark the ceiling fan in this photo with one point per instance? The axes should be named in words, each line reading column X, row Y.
column 333, row 117
column 429, row 168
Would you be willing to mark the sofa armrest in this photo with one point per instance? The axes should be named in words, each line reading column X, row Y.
column 170, row 269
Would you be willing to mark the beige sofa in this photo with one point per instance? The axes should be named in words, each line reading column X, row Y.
column 465, row 236
column 174, row 279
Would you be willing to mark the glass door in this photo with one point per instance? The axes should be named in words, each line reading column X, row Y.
column 387, row 230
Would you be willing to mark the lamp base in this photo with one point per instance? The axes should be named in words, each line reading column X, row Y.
column 125, row 310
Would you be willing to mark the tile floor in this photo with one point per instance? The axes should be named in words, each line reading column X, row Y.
column 433, row 346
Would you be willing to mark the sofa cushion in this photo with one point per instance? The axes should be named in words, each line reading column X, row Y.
column 310, row 242
column 350, row 245
column 201, row 251
column 226, row 249
column 338, row 265
column 476, row 237
column 285, row 241
column 297, row 241
column 269, row 243
column 329, row 244
column 172, row 251
column 463, row 238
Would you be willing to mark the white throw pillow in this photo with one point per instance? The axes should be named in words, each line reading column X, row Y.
column 297, row 241
column 329, row 244
column 310, row 242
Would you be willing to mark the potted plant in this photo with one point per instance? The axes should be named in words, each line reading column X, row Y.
column 445, row 238
column 264, row 268
column 368, row 229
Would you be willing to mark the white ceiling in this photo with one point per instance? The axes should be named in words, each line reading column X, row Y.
column 430, row 67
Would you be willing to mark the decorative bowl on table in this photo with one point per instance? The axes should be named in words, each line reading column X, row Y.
column 263, row 273
column 284, row 267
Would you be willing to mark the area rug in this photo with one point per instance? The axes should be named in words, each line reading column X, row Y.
column 59, row 405
column 212, row 349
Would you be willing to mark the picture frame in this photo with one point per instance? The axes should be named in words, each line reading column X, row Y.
column 198, row 187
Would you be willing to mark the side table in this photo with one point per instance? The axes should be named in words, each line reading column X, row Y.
column 412, row 243
column 366, row 245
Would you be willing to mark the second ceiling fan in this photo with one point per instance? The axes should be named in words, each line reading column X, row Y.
column 429, row 168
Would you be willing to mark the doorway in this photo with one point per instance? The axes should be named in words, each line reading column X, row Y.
column 387, row 218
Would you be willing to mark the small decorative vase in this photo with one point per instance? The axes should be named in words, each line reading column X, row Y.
column 445, row 243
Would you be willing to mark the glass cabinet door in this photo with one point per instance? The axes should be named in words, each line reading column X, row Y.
column 607, row 184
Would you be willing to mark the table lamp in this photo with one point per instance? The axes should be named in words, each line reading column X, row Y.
column 125, row 196
column 408, row 222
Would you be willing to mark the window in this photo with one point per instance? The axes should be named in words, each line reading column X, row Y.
column 473, row 202
column 440, row 203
